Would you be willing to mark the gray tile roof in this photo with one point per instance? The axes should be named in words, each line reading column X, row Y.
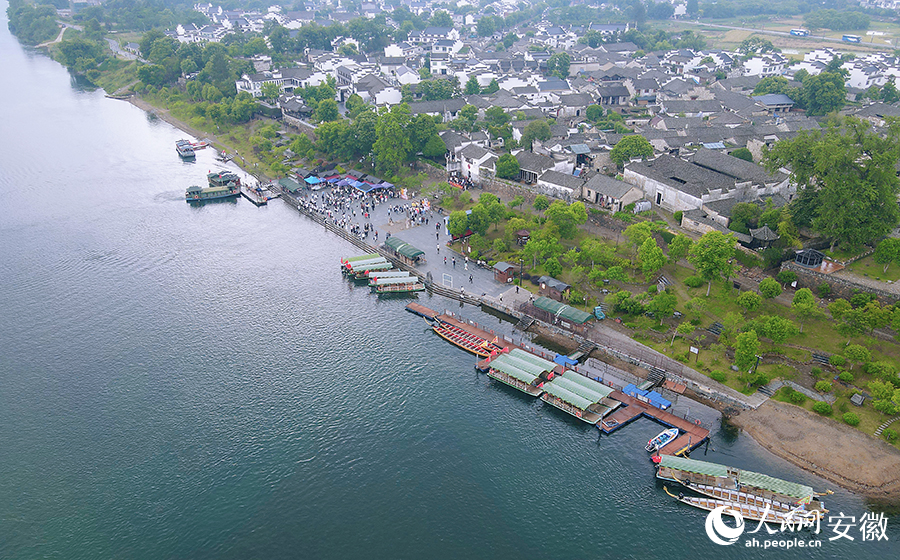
column 562, row 179
column 735, row 167
column 608, row 186
column 681, row 175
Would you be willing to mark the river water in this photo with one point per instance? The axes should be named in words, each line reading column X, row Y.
column 200, row 382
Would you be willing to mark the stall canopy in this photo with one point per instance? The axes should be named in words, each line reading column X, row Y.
column 562, row 310
column 312, row 180
column 403, row 248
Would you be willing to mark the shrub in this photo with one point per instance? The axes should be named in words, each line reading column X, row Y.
column 861, row 299
column 667, row 236
column 823, row 386
column 719, row 376
column 837, row 360
column 786, row 276
column 890, row 435
column 822, row 407
column 653, row 289
column 797, row 397
column 683, row 357
column 678, row 215
column 693, row 281
column 769, row 288
column 816, row 372
column 851, row 419
column 824, row 289
column 846, row 377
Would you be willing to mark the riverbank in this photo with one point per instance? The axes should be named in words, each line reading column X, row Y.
column 841, row 454
column 214, row 140
column 838, row 453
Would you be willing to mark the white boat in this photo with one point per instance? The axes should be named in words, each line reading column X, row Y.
column 664, row 438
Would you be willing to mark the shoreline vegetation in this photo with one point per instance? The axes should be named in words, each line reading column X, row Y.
column 838, row 453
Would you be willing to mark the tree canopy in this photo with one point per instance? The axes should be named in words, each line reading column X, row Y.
column 846, row 179
column 629, row 147
column 711, row 256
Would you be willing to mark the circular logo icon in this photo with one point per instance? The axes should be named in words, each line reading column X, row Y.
column 720, row 533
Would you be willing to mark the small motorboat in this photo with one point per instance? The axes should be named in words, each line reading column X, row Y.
column 664, row 438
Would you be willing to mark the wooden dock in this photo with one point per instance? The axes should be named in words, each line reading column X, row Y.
column 691, row 434
column 421, row 310
column 253, row 196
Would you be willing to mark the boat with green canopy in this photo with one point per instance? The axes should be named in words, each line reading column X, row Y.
column 397, row 285
column 359, row 266
column 520, row 370
column 579, row 396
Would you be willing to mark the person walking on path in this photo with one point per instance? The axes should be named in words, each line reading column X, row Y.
column 439, row 248
column 454, row 262
column 470, row 279
column 445, row 261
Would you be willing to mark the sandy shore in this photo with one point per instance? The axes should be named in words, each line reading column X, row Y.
column 841, row 454
column 835, row 452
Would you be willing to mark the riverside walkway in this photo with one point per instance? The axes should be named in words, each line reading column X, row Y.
column 469, row 283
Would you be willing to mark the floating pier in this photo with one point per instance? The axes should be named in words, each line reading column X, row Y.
column 692, row 434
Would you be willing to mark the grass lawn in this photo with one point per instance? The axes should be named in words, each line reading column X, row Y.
column 868, row 267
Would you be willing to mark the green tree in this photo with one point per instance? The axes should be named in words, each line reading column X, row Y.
column 778, row 328
column 888, row 251
column 391, row 143
column 769, row 288
column 683, row 329
column 486, row 26
column 749, row 300
column 651, row 257
column 540, row 203
column 558, row 64
column 629, row 147
column 441, row 18
column 857, row 353
column 824, row 93
column 458, row 223
column 846, row 180
column 270, row 91
column 508, row 167
column 472, row 86
column 745, row 350
column 593, row 113
column 804, row 305
column 889, row 93
column 711, row 256
column 638, row 233
column 492, row 87
column 434, row 148
column 742, row 153
column 662, row 305
column 679, row 248
column 327, row 110
column 744, row 215
column 535, row 130
column 566, row 217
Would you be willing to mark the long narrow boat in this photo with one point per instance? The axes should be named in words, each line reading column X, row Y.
column 740, row 497
column 464, row 339
column 747, row 511
column 718, row 481
column 373, row 275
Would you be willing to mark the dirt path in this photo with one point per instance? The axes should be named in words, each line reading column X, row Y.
column 838, row 453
